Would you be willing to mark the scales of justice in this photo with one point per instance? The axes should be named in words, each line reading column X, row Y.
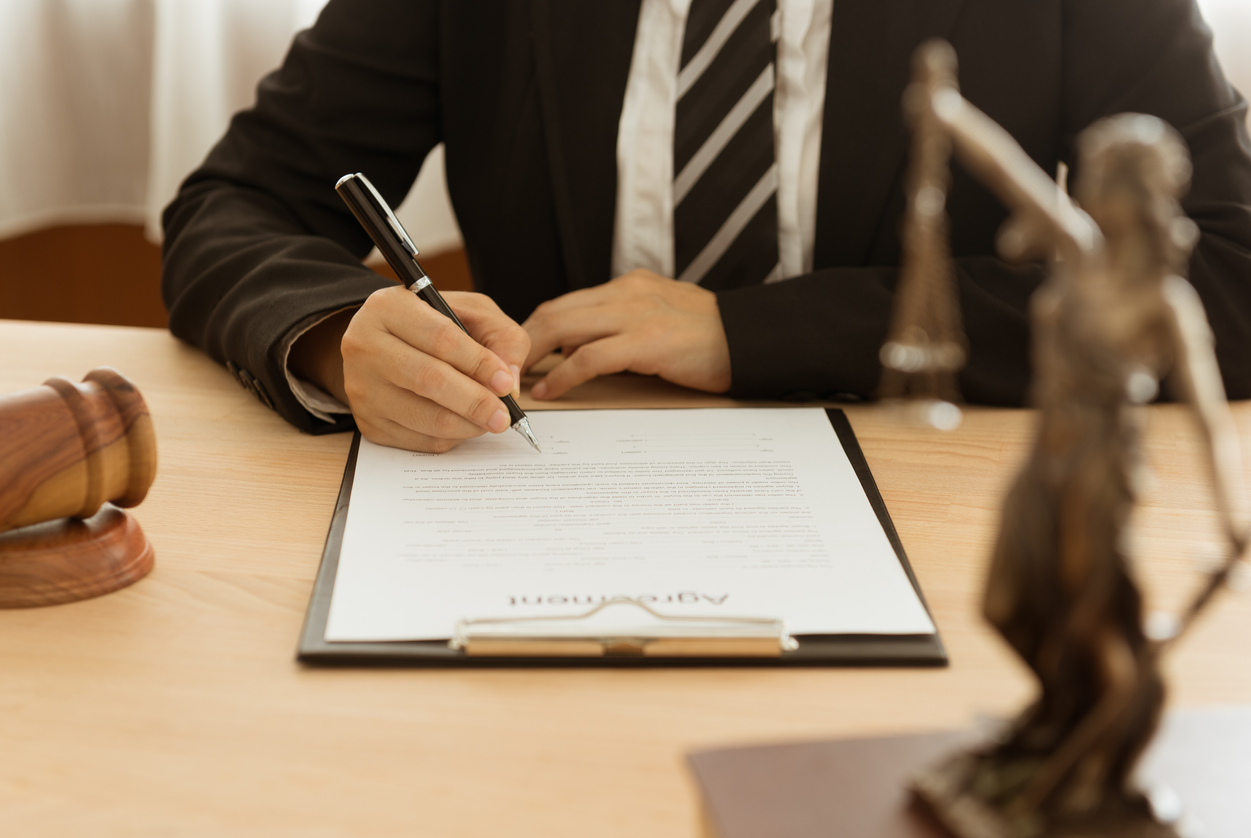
column 1112, row 319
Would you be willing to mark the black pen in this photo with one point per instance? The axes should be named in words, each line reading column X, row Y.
column 398, row 249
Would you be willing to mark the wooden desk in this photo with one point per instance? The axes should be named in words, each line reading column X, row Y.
column 176, row 707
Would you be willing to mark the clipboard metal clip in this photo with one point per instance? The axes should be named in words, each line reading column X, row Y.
column 667, row 636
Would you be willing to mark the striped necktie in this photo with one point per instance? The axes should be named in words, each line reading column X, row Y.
column 725, row 218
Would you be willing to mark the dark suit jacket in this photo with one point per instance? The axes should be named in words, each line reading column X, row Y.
column 527, row 94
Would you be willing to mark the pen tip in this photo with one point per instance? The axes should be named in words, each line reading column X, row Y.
column 523, row 427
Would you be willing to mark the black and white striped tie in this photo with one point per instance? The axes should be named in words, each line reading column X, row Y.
column 725, row 218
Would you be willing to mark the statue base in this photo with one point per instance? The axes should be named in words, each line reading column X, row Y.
column 864, row 788
column 946, row 790
column 71, row 559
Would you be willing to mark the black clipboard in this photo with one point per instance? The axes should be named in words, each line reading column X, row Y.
column 813, row 650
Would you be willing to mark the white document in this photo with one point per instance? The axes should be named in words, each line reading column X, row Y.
column 743, row 512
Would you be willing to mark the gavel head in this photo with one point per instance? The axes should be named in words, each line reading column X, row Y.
column 66, row 449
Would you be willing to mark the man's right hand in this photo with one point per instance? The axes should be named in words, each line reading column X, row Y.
column 414, row 380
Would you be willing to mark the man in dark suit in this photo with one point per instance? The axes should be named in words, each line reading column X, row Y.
column 262, row 262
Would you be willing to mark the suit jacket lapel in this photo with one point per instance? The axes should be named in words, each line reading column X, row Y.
column 863, row 139
column 582, row 54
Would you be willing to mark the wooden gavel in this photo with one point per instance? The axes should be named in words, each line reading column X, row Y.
column 66, row 449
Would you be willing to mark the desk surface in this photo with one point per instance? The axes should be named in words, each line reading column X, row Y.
column 176, row 707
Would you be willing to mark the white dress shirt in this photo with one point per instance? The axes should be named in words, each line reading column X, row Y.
column 643, row 230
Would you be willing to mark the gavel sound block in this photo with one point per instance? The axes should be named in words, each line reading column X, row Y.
column 70, row 454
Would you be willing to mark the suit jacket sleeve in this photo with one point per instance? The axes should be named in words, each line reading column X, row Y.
column 257, row 239
column 819, row 335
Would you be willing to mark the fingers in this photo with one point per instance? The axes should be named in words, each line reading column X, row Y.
column 377, row 374
column 437, row 381
column 394, row 435
column 571, row 328
column 587, row 314
column 491, row 328
column 638, row 322
column 624, row 304
column 428, row 331
column 402, row 420
column 633, row 285
column 595, row 295
column 415, row 380
column 602, row 357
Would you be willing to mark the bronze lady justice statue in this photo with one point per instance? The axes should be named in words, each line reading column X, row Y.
column 1112, row 319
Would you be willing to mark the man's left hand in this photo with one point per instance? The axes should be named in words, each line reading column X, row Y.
column 639, row 322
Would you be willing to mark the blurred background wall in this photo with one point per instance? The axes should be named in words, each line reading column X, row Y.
column 106, row 105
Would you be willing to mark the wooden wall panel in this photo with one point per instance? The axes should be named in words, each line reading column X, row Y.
column 91, row 273
column 109, row 273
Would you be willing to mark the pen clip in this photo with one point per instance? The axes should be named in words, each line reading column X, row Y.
column 384, row 209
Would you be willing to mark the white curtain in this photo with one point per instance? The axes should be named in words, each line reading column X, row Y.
column 74, row 81
column 207, row 57
column 1231, row 32
column 106, row 105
